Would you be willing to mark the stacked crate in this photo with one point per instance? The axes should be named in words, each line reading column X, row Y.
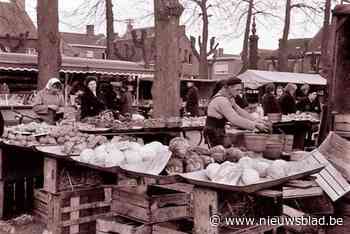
column 140, row 209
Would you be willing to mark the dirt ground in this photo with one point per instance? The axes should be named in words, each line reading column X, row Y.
column 31, row 228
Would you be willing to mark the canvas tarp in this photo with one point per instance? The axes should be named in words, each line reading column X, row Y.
column 254, row 79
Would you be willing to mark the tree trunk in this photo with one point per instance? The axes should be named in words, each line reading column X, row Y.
column 283, row 50
column 203, row 55
column 166, row 84
column 49, row 54
column 110, row 29
column 246, row 37
column 325, row 37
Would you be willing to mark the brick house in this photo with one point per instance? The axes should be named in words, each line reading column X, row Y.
column 126, row 50
column 223, row 66
column 303, row 55
column 17, row 31
column 85, row 45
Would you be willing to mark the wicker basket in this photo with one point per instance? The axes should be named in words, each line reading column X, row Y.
column 274, row 146
column 255, row 142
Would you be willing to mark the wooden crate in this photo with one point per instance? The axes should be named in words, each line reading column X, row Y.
column 121, row 225
column 72, row 211
column 150, row 204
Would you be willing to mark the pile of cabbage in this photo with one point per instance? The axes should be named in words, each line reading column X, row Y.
column 117, row 153
column 249, row 171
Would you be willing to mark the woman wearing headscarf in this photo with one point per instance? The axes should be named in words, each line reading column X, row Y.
column 49, row 101
column 222, row 109
column 90, row 104
column 287, row 100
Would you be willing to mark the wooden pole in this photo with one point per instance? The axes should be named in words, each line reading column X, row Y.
column 166, row 85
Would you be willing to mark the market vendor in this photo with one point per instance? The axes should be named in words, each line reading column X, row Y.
column 310, row 103
column 192, row 100
column 222, row 108
column 49, row 102
column 90, row 104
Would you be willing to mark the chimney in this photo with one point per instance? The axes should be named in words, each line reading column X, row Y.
column 221, row 52
column 20, row 3
column 90, row 30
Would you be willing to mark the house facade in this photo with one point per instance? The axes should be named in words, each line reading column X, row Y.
column 303, row 55
column 223, row 66
column 125, row 49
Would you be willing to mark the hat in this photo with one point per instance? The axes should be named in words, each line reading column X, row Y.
column 89, row 79
column 233, row 81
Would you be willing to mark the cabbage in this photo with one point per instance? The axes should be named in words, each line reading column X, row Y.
column 86, row 155
column 114, row 158
column 134, row 146
column 250, row 176
column 147, row 153
column 212, row 169
column 246, row 162
column 155, row 145
column 132, row 157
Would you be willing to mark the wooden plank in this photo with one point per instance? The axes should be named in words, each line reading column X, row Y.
column 121, row 225
column 131, row 211
column 50, row 175
column 169, row 199
column 74, row 215
column 81, row 220
column 41, row 195
column 157, row 229
column 169, row 213
column 205, row 205
column 133, row 195
column 292, row 193
column 2, row 158
column 85, row 206
column 2, row 198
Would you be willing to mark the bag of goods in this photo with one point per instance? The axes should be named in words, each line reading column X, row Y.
column 228, row 173
column 179, row 146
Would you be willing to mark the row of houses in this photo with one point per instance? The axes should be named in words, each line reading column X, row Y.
column 18, row 34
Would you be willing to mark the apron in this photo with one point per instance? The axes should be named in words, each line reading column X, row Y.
column 214, row 131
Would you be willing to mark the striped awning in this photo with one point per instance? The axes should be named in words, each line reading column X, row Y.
column 74, row 65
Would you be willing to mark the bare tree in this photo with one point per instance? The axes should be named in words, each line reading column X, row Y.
column 203, row 54
column 110, row 29
column 283, row 43
column 49, row 57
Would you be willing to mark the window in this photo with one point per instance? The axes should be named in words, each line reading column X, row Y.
column 190, row 59
column 31, row 51
column 104, row 55
column 221, row 68
column 185, row 56
column 89, row 54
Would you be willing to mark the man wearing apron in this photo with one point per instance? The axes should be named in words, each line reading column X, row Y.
column 222, row 109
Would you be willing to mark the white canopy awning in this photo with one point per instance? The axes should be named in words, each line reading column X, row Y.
column 254, row 78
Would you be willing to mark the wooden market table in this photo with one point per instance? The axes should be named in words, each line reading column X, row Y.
column 298, row 128
column 151, row 134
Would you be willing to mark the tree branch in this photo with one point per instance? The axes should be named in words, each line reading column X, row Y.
column 212, row 47
column 193, row 46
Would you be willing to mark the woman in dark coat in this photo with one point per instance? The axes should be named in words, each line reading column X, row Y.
column 107, row 96
column 287, row 101
column 269, row 101
column 90, row 105
column 192, row 100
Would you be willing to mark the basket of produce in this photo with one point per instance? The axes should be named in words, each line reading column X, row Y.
column 274, row 117
column 154, row 123
column 274, row 146
column 255, row 142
